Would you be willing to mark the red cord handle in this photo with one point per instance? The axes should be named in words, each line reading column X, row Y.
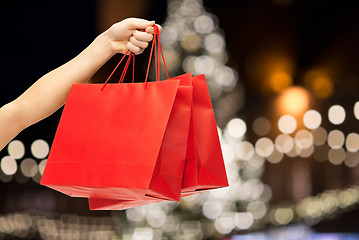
column 158, row 54
column 131, row 55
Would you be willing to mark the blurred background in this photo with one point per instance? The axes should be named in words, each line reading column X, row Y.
column 284, row 81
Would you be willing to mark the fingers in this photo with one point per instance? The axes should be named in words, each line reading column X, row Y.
column 138, row 23
column 133, row 48
column 151, row 30
column 138, row 43
column 142, row 36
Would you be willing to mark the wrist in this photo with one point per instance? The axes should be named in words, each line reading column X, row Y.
column 104, row 43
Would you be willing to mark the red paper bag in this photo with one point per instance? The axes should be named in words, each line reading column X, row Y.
column 109, row 141
column 174, row 148
column 204, row 167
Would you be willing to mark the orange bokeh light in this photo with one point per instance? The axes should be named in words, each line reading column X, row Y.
column 279, row 81
column 294, row 101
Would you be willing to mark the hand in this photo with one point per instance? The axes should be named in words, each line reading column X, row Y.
column 131, row 34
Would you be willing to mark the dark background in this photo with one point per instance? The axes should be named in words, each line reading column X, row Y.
column 38, row 36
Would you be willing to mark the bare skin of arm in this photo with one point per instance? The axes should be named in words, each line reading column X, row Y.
column 49, row 92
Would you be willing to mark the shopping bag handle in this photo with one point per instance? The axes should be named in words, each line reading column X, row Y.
column 158, row 54
column 131, row 55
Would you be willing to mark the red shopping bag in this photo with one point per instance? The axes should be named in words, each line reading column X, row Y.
column 204, row 167
column 174, row 148
column 110, row 141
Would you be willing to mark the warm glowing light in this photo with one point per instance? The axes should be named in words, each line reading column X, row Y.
column 320, row 84
column 294, row 101
column 279, row 81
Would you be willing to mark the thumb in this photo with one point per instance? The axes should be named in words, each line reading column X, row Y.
column 138, row 23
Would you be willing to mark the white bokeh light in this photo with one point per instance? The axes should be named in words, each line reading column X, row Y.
column 8, row 165
column 236, row 128
column 244, row 150
column 40, row 149
column 284, row 143
column 214, row 43
column 203, row 24
column 352, row 142
column 16, row 149
column 303, row 139
column 356, row 110
column 312, row 119
column 336, row 139
column 336, row 114
column 243, row 220
column 264, row 147
column 287, row 124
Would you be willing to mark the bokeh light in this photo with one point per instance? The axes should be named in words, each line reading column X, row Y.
column 336, row 114
column 244, row 150
column 319, row 83
column 279, row 81
column 261, row 126
column 356, row 110
column 236, row 128
column 16, row 149
column 264, row 147
column 336, row 156
column 275, row 157
column 214, row 43
column 8, row 165
column 29, row 167
column 204, row 24
column 336, row 139
column 283, row 216
column 243, row 220
column 312, row 119
column 294, row 101
column 40, row 149
column 303, row 139
column 352, row 142
column 287, row 124
column 319, row 136
column 284, row 143
column 351, row 159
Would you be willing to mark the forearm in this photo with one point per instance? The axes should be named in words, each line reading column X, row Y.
column 49, row 93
